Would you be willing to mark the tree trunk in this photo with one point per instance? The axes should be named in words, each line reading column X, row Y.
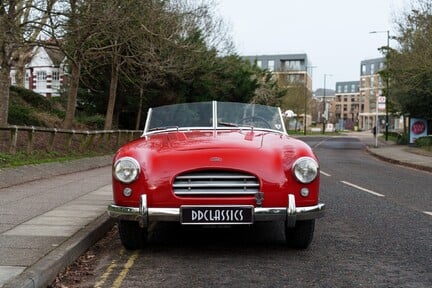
column 72, row 96
column 23, row 56
column 5, row 68
column 4, row 95
column 138, row 119
column 112, row 95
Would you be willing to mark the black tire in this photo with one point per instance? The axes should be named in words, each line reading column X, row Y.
column 300, row 236
column 132, row 236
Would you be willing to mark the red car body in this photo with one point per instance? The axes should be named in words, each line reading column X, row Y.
column 217, row 174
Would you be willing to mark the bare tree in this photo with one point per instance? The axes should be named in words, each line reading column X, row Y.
column 144, row 41
column 8, row 42
column 410, row 68
column 72, row 26
column 34, row 16
column 154, row 40
column 21, row 22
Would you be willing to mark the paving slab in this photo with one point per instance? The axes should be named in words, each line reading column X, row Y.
column 49, row 215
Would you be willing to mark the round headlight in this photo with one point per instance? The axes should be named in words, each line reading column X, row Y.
column 305, row 169
column 126, row 169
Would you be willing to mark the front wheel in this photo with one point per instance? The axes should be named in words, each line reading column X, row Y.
column 132, row 235
column 300, row 236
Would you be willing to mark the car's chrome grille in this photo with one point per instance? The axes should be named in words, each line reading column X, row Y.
column 213, row 183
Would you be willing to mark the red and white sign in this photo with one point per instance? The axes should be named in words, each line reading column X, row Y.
column 381, row 103
column 418, row 128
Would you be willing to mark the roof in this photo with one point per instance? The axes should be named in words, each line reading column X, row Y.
column 56, row 55
column 320, row 92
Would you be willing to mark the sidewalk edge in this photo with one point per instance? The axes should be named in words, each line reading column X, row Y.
column 394, row 161
column 44, row 272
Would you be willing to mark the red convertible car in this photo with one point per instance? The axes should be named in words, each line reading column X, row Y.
column 215, row 163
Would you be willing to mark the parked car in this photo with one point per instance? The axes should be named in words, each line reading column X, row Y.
column 215, row 163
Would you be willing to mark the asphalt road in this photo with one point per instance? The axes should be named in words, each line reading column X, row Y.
column 377, row 233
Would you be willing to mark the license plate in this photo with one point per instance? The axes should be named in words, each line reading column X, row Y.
column 216, row 215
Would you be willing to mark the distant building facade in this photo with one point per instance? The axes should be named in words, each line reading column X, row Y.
column 288, row 68
column 371, row 87
column 44, row 72
column 324, row 103
column 347, row 105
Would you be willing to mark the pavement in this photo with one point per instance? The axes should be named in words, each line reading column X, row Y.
column 405, row 155
column 50, row 214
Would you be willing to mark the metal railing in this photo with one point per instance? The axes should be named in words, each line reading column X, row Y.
column 30, row 139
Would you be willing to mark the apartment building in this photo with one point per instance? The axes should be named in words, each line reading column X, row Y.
column 347, row 105
column 287, row 68
column 324, row 99
column 371, row 87
column 290, row 69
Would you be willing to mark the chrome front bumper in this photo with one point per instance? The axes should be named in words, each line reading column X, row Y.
column 145, row 214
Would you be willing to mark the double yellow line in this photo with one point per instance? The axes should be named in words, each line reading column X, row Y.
column 119, row 280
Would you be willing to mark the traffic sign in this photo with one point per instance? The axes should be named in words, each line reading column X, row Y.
column 381, row 103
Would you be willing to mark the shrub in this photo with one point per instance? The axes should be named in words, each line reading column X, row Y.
column 402, row 139
column 20, row 115
column 96, row 122
column 36, row 100
column 425, row 142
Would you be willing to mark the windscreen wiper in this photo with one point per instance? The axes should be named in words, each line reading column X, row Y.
column 163, row 128
column 227, row 124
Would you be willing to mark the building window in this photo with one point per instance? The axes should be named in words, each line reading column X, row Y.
column 13, row 78
column 346, row 88
column 293, row 78
column 55, row 79
column 353, row 88
column 259, row 63
column 55, row 75
column 363, row 69
column 26, row 80
column 372, row 67
column 292, row 65
column 41, row 76
column 271, row 65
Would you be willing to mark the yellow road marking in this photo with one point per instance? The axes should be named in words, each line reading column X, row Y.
column 105, row 276
column 118, row 281
column 109, row 270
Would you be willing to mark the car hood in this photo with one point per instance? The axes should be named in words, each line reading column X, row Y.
column 181, row 142
column 213, row 140
column 164, row 155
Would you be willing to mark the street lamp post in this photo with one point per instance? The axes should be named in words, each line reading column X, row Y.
column 305, row 102
column 387, row 83
column 324, row 116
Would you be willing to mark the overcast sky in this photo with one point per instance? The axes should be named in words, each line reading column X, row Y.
column 333, row 33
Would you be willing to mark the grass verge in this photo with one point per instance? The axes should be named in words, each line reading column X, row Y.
column 21, row 158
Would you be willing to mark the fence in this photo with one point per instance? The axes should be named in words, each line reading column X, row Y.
column 31, row 139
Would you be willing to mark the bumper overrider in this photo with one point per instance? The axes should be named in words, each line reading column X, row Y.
column 144, row 214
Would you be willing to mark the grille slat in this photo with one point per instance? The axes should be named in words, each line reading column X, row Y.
column 210, row 183
column 219, row 185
